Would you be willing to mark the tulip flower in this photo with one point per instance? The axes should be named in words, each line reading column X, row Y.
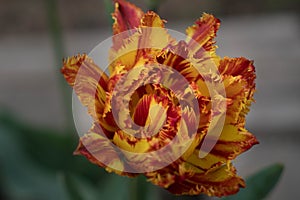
column 159, row 108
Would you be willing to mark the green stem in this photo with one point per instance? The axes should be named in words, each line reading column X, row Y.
column 138, row 188
column 58, row 47
column 133, row 189
column 186, row 197
column 70, row 187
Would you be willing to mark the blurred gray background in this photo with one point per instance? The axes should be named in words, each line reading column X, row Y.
column 267, row 32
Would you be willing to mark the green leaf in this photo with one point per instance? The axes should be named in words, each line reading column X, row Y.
column 115, row 188
column 71, row 187
column 259, row 185
column 50, row 149
column 80, row 188
column 20, row 177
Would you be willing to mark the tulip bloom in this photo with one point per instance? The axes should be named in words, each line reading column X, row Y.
column 143, row 105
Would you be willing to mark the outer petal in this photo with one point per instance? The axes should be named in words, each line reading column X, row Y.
column 233, row 142
column 234, row 139
column 238, row 77
column 158, row 36
column 142, row 45
column 154, row 35
column 127, row 16
column 124, row 51
column 239, row 67
column 203, row 32
column 98, row 149
column 184, row 178
column 88, row 81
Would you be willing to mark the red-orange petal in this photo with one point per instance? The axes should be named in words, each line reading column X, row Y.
column 134, row 47
column 176, row 56
column 232, row 142
column 127, row 16
column 154, row 37
column 238, row 67
column 183, row 178
column 203, row 33
column 238, row 78
column 88, row 81
column 98, row 149
column 141, row 110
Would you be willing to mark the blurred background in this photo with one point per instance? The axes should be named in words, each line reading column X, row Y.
column 34, row 123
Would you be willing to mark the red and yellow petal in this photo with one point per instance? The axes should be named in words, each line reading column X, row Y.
column 202, row 34
column 238, row 78
column 127, row 16
column 184, row 178
column 88, row 81
column 154, row 37
column 98, row 149
column 140, row 46
column 177, row 57
column 238, row 67
column 126, row 53
column 232, row 142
